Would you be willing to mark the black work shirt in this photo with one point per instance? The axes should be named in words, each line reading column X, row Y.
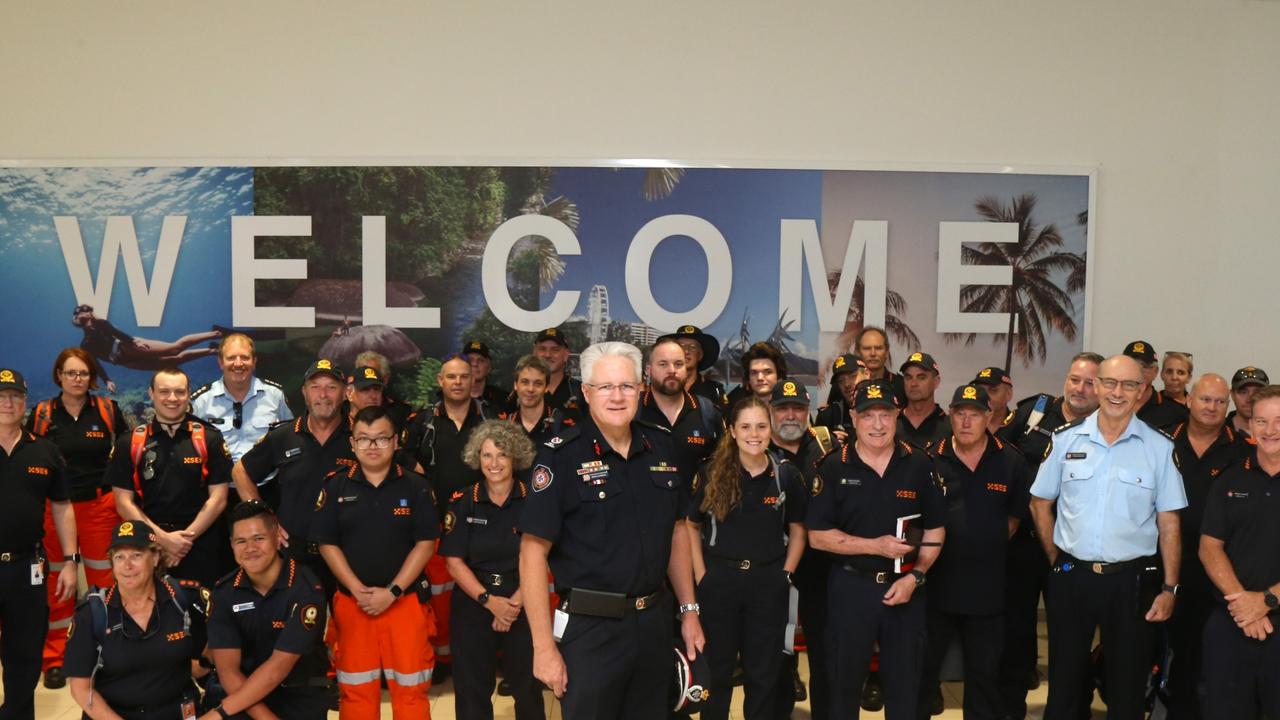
column 609, row 518
column 33, row 473
column 933, row 428
column 178, row 489
column 141, row 667
column 1033, row 441
column 757, row 528
column 856, row 500
column 301, row 464
column 289, row 618
column 552, row 423
column 436, row 443
column 713, row 390
column 693, row 434
column 1198, row 476
column 1162, row 412
column 968, row 577
column 85, row 442
column 567, row 396
column 483, row 533
column 375, row 527
column 1242, row 511
column 807, row 457
column 835, row 416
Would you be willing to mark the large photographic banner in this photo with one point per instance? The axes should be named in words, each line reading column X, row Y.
column 149, row 266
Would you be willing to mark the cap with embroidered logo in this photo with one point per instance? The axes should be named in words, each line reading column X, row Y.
column 971, row 394
column 324, row 366
column 921, row 360
column 1141, row 351
column 552, row 334
column 874, row 393
column 366, row 377
column 12, row 380
column 789, row 392
column 1249, row 375
column 992, row 376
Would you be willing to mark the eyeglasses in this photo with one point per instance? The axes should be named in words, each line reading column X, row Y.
column 382, row 442
column 236, row 421
column 1127, row 385
column 74, row 374
column 627, row 389
column 12, row 398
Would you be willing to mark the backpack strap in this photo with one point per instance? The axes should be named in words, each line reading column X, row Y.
column 822, row 434
column 43, row 418
column 202, row 448
column 137, row 448
column 107, row 410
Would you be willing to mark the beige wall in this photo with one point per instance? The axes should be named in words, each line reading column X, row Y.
column 1176, row 102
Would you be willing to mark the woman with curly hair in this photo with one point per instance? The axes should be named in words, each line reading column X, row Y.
column 482, row 551
column 748, row 512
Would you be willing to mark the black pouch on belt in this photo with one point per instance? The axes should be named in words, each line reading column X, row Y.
column 597, row 603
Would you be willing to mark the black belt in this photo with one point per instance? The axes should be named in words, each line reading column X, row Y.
column 880, row 578
column 737, row 564
column 17, row 557
column 1099, row 568
column 498, row 580
column 578, row 601
column 85, row 494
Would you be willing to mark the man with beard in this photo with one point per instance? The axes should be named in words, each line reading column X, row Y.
column 805, row 446
column 295, row 457
column 553, row 348
column 1118, row 494
column 1026, row 567
column 846, row 372
column 1244, row 383
column 762, row 367
column 1202, row 449
column 172, row 474
column 922, row 422
column 1158, row 411
column 531, row 408
column 701, row 351
column 999, row 387
column 694, row 422
column 872, row 346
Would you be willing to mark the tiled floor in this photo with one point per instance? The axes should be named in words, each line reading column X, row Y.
column 58, row 705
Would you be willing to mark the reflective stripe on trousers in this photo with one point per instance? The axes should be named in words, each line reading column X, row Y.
column 394, row 645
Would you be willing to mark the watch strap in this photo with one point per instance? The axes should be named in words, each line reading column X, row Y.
column 483, row 597
column 395, row 590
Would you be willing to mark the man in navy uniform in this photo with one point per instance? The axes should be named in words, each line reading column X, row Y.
column 1118, row 494
column 605, row 512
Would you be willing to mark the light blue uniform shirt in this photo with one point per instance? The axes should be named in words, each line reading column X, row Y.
column 264, row 406
column 1108, row 495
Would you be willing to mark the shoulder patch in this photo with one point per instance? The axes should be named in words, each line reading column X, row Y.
column 450, row 520
column 321, row 497
column 310, row 616
column 1009, row 418
column 541, row 477
column 816, row 489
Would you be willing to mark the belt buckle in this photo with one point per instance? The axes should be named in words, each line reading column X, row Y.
column 744, row 564
column 881, row 578
column 1097, row 568
column 6, row 557
column 495, row 580
column 642, row 602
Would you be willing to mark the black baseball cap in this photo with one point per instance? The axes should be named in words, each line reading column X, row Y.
column 367, row 377
column 789, row 392
column 132, row 533
column 478, row 348
column 324, row 366
column 552, row 334
column 846, row 363
column 922, row 360
column 1249, row 375
column 12, row 380
column 1141, row 351
column 874, row 393
column 710, row 346
column 992, row 376
column 971, row 394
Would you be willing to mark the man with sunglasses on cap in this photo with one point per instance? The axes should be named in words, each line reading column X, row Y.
column 1244, row 383
column 172, row 474
column 1154, row 408
column 266, row 626
column 240, row 405
column 879, row 511
column 922, row 422
column 1118, row 494
column 701, row 351
column 999, row 388
column 291, row 461
column 846, row 372
column 32, row 473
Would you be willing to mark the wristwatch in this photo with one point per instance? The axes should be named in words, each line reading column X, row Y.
column 694, row 608
column 75, row 558
column 1170, row 588
column 1270, row 599
column 395, row 590
column 221, row 712
column 919, row 576
column 483, row 597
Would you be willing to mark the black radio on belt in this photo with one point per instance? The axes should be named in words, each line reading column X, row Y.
column 596, row 603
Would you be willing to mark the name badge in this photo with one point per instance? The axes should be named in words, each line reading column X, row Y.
column 856, row 482
column 348, row 498
column 241, row 607
column 292, row 451
column 1237, row 495
column 1077, row 455
column 477, row 521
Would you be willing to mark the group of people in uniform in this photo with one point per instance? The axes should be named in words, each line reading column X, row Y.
column 583, row 535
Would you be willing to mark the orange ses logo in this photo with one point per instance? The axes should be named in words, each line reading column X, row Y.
column 37, row 470
column 175, row 636
column 998, row 487
column 905, row 494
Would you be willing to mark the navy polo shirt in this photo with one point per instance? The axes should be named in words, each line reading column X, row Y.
column 483, row 534
column 1242, row 512
column 30, row 475
column 289, row 618
column 436, row 444
column 932, row 429
column 694, row 440
column 853, row 498
column 85, row 442
column 968, row 577
column 756, row 529
column 375, row 527
column 1198, row 475
column 609, row 518
column 178, row 490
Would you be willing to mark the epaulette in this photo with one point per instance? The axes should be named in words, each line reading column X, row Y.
column 1009, row 418
column 331, row 473
column 1071, row 424
column 653, row 426
column 562, row 438
column 229, row 577
column 1162, row 431
column 186, row 583
column 277, row 424
column 272, row 383
column 905, row 447
column 200, row 391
